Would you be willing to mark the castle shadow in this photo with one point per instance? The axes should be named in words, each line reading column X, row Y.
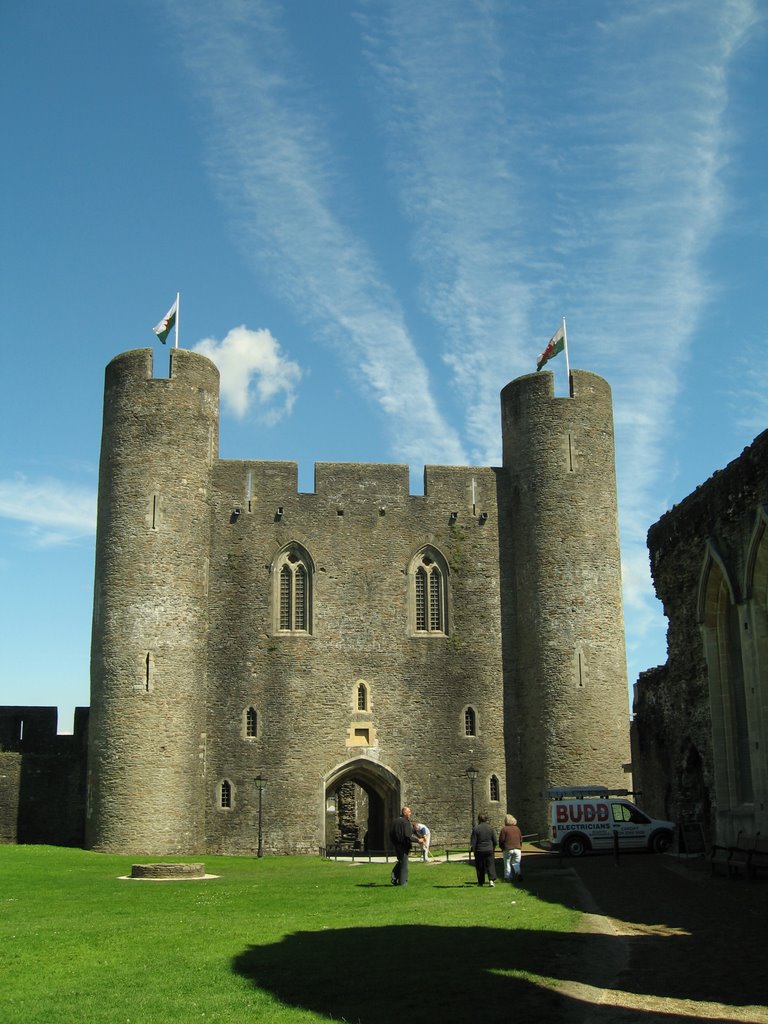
column 377, row 975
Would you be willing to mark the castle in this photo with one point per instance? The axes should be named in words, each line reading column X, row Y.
column 293, row 667
column 308, row 661
column 258, row 651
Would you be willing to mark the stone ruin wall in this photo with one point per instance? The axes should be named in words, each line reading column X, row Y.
column 672, row 728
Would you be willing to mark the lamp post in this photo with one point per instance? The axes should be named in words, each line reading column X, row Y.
column 260, row 784
column 472, row 774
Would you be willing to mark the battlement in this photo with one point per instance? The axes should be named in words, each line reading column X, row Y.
column 33, row 729
column 353, row 483
column 136, row 366
column 584, row 385
column 27, row 727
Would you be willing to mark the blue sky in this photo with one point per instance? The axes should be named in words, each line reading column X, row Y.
column 376, row 212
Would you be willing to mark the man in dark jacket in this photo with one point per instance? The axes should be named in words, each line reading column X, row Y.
column 401, row 836
column 483, row 845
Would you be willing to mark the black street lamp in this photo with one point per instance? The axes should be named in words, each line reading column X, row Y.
column 261, row 782
column 472, row 774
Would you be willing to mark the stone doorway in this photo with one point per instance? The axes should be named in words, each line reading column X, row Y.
column 361, row 801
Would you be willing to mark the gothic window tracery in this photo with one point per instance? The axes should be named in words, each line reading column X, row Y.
column 293, row 591
column 429, row 593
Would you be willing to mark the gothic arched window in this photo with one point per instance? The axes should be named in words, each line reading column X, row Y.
column 470, row 722
column 293, row 591
column 251, row 723
column 429, row 593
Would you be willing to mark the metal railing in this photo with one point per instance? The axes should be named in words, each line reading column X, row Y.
column 355, row 853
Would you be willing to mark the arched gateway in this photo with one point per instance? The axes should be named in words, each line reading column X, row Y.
column 362, row 797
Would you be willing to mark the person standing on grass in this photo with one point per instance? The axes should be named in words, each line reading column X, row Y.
column 511, row 843
column 425, row 835
column 401, row 836
column 483, row 845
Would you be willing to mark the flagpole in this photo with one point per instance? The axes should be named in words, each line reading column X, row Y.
column 177, row 324
column 565, row 347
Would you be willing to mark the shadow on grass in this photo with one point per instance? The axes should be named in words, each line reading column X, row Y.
column 666, row 963
column 377, row 975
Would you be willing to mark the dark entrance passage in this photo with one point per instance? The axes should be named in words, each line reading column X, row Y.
column 361, row 800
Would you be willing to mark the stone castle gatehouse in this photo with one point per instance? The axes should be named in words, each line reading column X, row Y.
column 357, row 646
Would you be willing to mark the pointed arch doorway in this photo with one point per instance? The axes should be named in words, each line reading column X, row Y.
column 362, row 798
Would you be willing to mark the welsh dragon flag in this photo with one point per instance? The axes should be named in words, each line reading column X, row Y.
column 554, row 347
column 164, row 328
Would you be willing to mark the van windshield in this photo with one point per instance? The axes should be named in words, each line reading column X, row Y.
column 626, row 812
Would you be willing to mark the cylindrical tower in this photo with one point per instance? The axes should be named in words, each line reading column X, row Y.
column 566, row 697
column 146, row 754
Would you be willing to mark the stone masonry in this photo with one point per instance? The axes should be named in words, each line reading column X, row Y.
column 700, row 727
column 477, row 625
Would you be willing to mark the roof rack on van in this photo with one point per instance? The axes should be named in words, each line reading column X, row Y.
column 584, row 792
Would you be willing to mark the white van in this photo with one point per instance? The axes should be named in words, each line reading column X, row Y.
column 592, row 817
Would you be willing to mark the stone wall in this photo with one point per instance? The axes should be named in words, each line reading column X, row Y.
column 42, row 777
column 708, row 558
column 361, row 528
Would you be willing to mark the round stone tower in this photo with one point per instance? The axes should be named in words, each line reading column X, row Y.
column 567, row 705
column 148, row 659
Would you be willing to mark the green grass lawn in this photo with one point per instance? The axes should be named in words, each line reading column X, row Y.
column 285, row 939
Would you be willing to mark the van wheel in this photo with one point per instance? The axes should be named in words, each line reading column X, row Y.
column 575, row 846
column 661, row 841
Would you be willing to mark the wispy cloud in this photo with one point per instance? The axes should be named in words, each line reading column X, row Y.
column 652, row 199
column 603, row 209
column 748, row 384
column 254, row 373
column 54, row 511
column 546, row 162
column 280, row 184
column 456, row 158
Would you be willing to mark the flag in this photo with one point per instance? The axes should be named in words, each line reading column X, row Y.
column 164, row 328
column 555, row 347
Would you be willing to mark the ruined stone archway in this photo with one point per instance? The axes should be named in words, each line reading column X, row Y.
column 361, row 798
